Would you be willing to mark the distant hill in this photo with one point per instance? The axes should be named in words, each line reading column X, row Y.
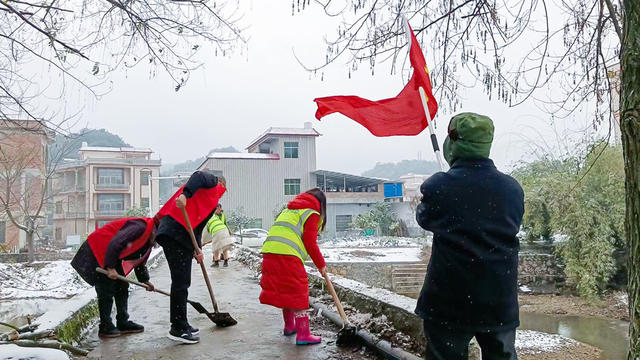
column 68, row 146
column 191, row 165
column 393, row 171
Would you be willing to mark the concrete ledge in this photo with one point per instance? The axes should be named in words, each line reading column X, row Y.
column 24, row 257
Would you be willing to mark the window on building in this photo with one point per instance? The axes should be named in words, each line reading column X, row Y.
column 58, row 234
column 290, row 150
column 3, row 228
column 144, row 177
column 291, row 186
column 144, row 202
column 107, row 176
column 110, row 203
column 102, row 223
column 59, row 207
column 343, row 222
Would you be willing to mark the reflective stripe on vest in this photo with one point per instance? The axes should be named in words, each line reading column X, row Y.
column 285, row 235
column 217, row 223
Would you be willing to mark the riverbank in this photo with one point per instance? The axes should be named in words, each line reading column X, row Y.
column 613, row 306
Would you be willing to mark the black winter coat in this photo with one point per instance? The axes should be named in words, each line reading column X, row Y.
column 474, row 212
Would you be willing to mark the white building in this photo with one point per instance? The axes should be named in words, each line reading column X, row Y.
column 411, row 186
column 100, row 187
column 279, row 165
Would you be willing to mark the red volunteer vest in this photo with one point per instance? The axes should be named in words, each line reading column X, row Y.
column 199, row 206
column 99, row 242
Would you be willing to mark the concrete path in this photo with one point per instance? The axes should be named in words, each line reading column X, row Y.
column 258, row 334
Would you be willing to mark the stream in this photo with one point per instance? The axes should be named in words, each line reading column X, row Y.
column 609, row 335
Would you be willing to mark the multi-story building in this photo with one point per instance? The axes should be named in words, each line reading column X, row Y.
column 100, row 187
column 411, row 184
column 280, row 164
column 23, row 161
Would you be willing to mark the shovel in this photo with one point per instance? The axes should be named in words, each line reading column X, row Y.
column 348, row 335
column 221, row 319
column 196, row 305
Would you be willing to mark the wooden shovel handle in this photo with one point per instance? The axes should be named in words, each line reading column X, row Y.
column 336, row 300
column 131, row 281
column 198, row 251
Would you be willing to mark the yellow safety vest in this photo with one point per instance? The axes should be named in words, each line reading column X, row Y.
column 285, row 235
column 217, row 223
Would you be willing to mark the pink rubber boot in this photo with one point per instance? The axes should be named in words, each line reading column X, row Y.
column 289, row 322
column 303, row 336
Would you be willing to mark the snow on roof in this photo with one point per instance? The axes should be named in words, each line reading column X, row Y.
column 246, row 156
column 308, row 130
column 115, row 149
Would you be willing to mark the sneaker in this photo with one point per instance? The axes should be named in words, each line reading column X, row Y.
column 226, row 263
column 194, row 330
column 108, row 331
column 183, row 336
column 215, row 264
column 130, row 327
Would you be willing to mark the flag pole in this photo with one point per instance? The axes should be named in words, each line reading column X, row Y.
column 434, row 139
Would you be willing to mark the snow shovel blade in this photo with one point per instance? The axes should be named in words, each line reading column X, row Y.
column 348, row 336
column 222, row 319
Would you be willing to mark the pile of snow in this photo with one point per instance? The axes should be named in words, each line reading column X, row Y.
column 55, row 279
column 362, row 254
column 535, row 342
column 14, row 352
column 372, row 241
column 525, row 289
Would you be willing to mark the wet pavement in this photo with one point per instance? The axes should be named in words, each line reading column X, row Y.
column 258, row 334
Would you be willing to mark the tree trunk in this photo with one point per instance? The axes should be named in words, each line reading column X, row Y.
column 30, row 247
column 630, row 127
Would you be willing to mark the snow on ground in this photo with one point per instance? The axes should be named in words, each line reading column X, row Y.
column 14, row 352
column 535, row 342
column 372, row 241
column 362, row 254
column 55, row 279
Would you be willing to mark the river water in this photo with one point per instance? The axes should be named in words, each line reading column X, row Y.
column 609, row 335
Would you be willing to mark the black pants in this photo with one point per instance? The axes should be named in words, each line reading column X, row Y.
column 179, row 259
column 107, row 291
column 450, row 344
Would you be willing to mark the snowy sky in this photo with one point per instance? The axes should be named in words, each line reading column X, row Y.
column 232, row 100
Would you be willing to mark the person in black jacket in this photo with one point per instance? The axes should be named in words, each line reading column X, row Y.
column 118, row 247
column 474, row 212
column 199, row 197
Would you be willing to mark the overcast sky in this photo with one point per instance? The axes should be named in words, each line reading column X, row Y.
column 230, row 101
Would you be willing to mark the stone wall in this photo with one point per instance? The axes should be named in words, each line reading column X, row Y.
column 541, row 273
column 373, row 274
column 24, row 257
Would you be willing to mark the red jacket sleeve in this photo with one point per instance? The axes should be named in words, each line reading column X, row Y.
column 309, row 237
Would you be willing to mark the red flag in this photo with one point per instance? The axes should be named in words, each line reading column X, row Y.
column 401, row 115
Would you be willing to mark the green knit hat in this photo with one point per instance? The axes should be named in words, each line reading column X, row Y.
column 470, row 137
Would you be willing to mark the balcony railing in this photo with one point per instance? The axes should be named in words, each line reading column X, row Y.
column 77, row 188
column 70, row 215
column 109, row 212
column 112, row 186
